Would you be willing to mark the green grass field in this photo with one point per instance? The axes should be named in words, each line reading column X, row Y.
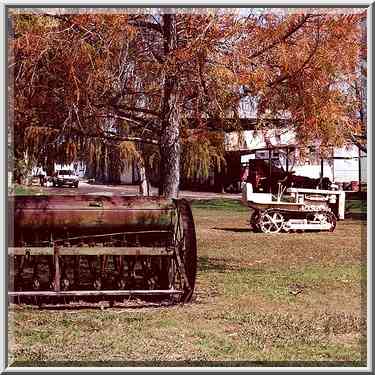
column 25, row 190
column 357, row 206
column 245, row 312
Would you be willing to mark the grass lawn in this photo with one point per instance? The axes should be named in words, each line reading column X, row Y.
column 356, row 206
column 245, row 311
column 25, row 190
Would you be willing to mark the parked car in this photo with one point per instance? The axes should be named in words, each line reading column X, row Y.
column 65, row 177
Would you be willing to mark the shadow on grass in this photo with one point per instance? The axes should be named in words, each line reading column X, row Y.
column 236, row 230
column 356, row 215
column 211, row 264
column 207, row 264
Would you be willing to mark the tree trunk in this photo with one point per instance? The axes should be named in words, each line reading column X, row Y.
column 170, row 132
column 105, row 169
column 170, row 159
column 218, row 180
column 144, row 189
column 144, row 186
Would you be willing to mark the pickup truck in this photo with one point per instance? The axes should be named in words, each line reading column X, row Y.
column 65, row 177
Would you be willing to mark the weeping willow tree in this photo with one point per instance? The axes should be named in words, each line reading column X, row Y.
column 202, row 154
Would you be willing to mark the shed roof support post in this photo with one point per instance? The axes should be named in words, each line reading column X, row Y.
column 270, row 170
column 359, row 170
column 56, row 254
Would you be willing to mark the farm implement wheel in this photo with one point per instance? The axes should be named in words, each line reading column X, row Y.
column 271, row 221
column 330, row 218
column 324, row 217
column 254, row 221
column 182, row 266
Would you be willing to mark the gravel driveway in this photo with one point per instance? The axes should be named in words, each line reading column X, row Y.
column 101, row 189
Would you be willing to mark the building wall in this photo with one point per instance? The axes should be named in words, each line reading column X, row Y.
column 129, row 175
column 79, row 167
column 313, row 171
column 364, row 169
column 252, row 140
column 347, row 170
column 343, row 168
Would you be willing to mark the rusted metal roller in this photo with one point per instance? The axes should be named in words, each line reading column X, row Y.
column 101, row 247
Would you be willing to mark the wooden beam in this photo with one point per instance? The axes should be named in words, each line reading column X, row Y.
column 96, row 293
column 95, row 250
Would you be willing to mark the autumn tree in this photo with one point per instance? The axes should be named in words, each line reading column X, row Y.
column 155, row 79
column 357, row 90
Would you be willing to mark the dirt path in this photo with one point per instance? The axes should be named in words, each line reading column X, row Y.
column 86, row 188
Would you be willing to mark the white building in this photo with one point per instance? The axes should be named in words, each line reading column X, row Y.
column 79, row 167
column 129, row 174
column 344, row 165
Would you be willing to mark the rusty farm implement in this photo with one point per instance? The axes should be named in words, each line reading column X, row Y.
column 100, row 247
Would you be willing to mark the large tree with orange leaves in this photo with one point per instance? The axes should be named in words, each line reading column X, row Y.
column 154, row 79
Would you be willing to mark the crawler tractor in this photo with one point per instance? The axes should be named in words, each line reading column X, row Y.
column 300, row 210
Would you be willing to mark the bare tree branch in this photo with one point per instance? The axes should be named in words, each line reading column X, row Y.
column 299, row 70
column 290, row 32
column 136, row 109
column 147, row 25
column 356, row 139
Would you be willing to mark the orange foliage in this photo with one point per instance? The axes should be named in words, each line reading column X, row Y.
column 71, row 71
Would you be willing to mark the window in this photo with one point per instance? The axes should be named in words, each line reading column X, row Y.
column 65, row 173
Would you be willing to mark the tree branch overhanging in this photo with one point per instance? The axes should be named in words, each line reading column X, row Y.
column 299, row 70
column 290, row 32
column 146, row 25
column 356, row 140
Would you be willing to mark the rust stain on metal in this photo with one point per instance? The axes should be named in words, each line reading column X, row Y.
column 74, row 215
